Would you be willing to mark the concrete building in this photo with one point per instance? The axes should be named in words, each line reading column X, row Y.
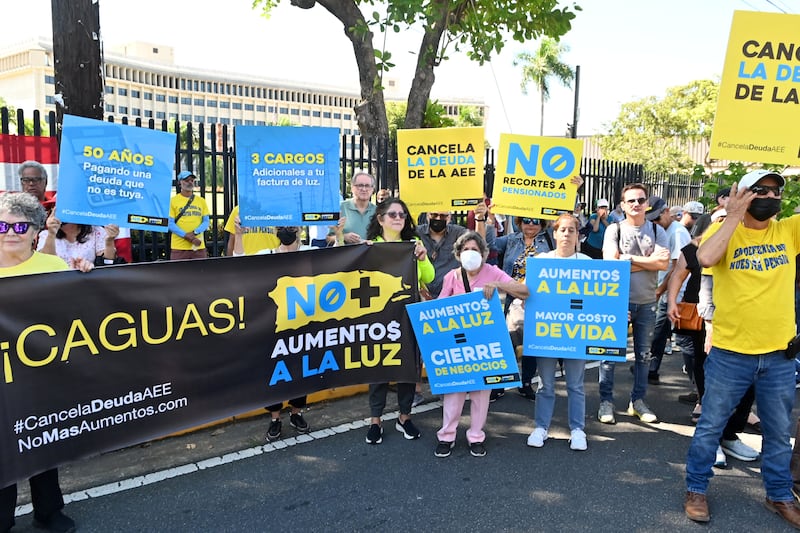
column 143, row 81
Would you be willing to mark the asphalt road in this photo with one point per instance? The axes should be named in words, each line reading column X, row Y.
column 630, row 478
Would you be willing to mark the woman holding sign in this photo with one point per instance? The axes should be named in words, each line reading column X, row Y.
column 392, row 223
column 474, row 274
column 566, row 235
column 21, row 218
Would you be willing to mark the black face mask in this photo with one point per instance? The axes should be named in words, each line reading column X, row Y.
column 437, row 225
column 287, row 237
column 763, row 209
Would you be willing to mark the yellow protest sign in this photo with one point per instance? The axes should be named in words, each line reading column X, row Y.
column 441, row 169
column 759, row 107
column 533, row 176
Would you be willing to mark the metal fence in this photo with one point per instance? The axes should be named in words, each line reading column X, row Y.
column 208, row 152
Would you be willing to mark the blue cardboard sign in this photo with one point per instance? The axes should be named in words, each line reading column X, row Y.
column 464, row 343
column 578, row 309
column 115, row 174
column 287, row 176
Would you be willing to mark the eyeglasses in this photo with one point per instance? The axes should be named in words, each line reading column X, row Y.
column 762, row 190
column 362, row 185
column 396, row 214
column 633, row 201
column 531, row 221
column 18, row 227
column 434, row 216
column 31, row 180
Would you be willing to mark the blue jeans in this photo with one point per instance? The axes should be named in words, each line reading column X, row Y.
column 663, row 330
column 728, row 375
column 643, row 318
column 546, row 397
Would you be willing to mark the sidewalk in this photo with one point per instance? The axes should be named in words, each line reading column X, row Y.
column 124, row 468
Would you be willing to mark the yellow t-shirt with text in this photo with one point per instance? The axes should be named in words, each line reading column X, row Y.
column 190, row 219
column 254, row 239
column 754, row 288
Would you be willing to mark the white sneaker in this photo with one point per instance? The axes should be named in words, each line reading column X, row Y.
column 577, row 440
column 720, row 461
column 739, row 450
column 537, row 437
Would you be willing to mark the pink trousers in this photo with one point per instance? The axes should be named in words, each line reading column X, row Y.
column 453, row 404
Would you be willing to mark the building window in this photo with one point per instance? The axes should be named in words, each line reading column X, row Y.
column 211, row 103
column 211, row 119
column 315, row 114
column 249, row 123
column 237, row 122
column 225, row 105
column 203, row 86
column 224, row 120
column 161, row 114
column 49, row 79
column 122, row 92
column 283, row 110
column 109, row 108
column 337, row 116
column 123, row 109
column 136, row 112
column 295, row 111
column 326, row 114
column 199, row 101
column 109, row 89
column 348, row 116
column 185, row 100
column 261, row 123
column 306, row 113
column 185, row 117
column 173, row 116
column 135, row 94
column 248, row 107
column 196, row 85
column 271, row 109
column 216, row 87
column 148, row 113
column 161, row 98
column 236, row 105
column 261, row 108
column 148, row 96
column 198, row 118
column 173, row 99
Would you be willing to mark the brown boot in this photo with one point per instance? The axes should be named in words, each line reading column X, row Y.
column 696, row 507
column 787, row 510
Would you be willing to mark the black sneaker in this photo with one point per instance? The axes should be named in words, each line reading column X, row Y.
column 527, row 392
column 375, row 434
column 274, row 431
column 299, row 423
column 496, row 393
column 652, row 378
column 408, row 429
column 58, row 522
column 477, row 449
column 443, row 448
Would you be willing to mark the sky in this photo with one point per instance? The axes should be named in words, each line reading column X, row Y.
column 626, row 49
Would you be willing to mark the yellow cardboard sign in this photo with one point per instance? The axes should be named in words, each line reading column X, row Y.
column 441, row 169
column 533, row 175
column 759, row 107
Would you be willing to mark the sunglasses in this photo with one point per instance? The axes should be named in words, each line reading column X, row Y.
column 762, row 190
column 633, row 201
column 395, row 214
column 527, row 220
column 18, row 227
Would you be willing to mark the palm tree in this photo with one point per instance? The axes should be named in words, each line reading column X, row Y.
column 542, row 65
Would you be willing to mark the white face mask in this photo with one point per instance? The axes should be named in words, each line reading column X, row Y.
column 471, row 260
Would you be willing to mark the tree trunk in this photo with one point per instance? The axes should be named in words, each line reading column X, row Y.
column 424, row 76
column 541, row 111
column 77, row 58
column 371, row 110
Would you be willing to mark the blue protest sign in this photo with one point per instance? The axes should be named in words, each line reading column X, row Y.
column 464, row 343
column 114, row 174
column 287, row 176
column 578, row 309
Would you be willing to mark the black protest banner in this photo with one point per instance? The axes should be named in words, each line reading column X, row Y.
column 95, row 362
